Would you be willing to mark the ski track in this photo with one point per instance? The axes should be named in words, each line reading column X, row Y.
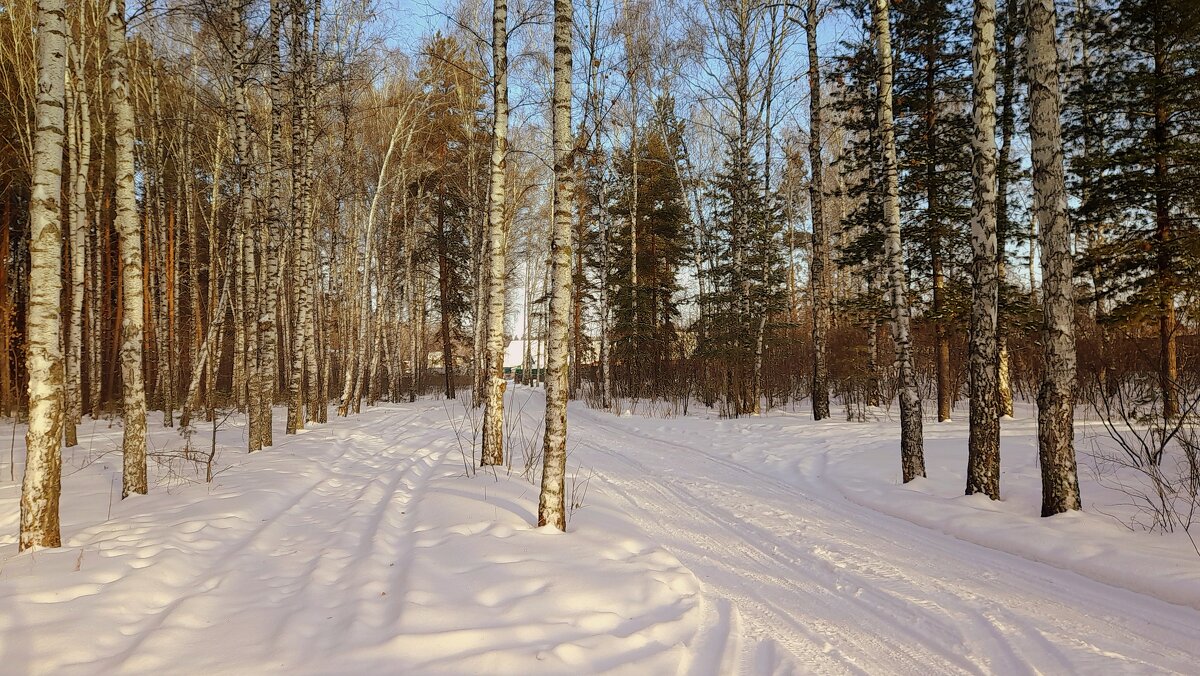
column 795, row 577
column 840, row 588
column 349, row 531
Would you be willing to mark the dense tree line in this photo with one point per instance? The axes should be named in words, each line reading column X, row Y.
column 240, row 204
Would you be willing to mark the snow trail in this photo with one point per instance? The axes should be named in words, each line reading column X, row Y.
column 829, row 586
column 706, row 547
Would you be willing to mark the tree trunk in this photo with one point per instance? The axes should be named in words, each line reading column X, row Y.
column 81, row 147
column 248, row 286
column 983, row 448
column 551, row 503
column 819, row 274
column 912, row 453
column 302, row 333
column 1003, row 171
column 444, row 297
column 42, row 483
column 1060, row 482
column 130, row 243
column 492, row 444
column 270, row 234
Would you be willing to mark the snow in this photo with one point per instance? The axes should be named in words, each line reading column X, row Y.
column 770, row 544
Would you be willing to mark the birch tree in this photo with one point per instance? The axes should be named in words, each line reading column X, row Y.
column 983, row 449
column 551, row 504
column 270, row 234
column 248, row 287
column 1056, row 402
column 133, row 390
column 302, row 385
column 819, row 272
column 492, row 450
column 912, row 451
column 80, row 128
column 41, row 485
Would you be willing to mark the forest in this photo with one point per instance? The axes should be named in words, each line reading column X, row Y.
column 903, row 210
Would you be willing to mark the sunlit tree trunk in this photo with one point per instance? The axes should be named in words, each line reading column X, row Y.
column 492, row 448
column 130, row 244
column 81, row 151
column 41, row 485
column 302, row 333
column 912, row 445
column 271, row 233
column 819, row 272
column 1056, row 444
column 983, row 448
column 1003, row 172
column 551, row 503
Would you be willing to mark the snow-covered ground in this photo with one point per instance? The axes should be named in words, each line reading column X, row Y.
column 701, row 546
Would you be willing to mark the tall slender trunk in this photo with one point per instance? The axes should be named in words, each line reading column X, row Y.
column 551, row 503
column 248, row 287
column 410, row 292
column 270, row 235
column 912, row 452
column 444, row 296
column 316, row 378
column 130, row 244
column 983, row 448
column 1060, row 481
column 81, row 151
column 819, row 273
column 492, row 444
column 634, row 347
column 302, row 241
column 96, row 278
column 41, row 484
column 1003, row 171
column 8, row 398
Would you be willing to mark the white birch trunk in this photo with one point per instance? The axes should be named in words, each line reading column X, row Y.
column 81, row 150
column 983, row 448
column 492, row 448
column 302, row 330
column 1056, row 445
column 249, row 287
column 130, row 244
column 42, row 483
column 551, row 503
column 819, row 275
column 271, row 234
column 912, row 452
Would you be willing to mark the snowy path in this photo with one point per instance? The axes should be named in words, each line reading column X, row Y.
column 321, row 535
column 703, row 547
column 820, row 584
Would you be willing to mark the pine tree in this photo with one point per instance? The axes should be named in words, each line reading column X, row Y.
column 1138, row 181
column 747, row 276
column 933, row 141
column 645, row 341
